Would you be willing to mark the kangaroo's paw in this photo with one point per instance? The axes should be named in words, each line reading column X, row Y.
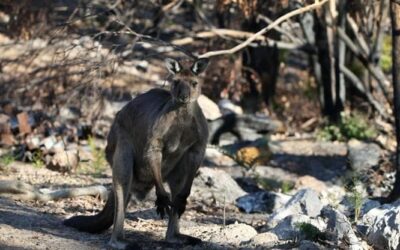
column 184, row 239
column 163, row 204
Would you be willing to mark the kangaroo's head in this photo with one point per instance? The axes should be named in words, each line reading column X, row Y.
column 185, row 80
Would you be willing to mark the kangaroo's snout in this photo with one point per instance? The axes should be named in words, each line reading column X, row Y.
column 183, row 94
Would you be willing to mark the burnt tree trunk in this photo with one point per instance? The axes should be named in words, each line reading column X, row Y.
column 265, row 61
column 327, row 85
column 395, row 17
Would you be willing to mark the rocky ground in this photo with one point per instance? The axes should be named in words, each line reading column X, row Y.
column 299, row 201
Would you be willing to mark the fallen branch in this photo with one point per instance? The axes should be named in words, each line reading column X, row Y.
column 256, row 36
column 24, row 191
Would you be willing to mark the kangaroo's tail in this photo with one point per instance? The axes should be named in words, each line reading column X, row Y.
column 95, row 223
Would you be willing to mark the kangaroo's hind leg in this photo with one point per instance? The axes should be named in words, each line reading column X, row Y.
column 180, row 182
column 122, row 172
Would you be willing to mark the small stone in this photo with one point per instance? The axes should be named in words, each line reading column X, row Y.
column 64, row 161
column 266, row 239
column 262, row 201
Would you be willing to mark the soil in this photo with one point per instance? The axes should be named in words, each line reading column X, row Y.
column 38, row 225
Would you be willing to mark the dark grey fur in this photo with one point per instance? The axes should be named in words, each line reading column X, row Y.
column 159, row 136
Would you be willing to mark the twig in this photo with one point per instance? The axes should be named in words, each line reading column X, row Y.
column 281, row 30
column 241, row 46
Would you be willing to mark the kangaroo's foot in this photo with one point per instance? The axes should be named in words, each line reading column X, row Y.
column 163, row 204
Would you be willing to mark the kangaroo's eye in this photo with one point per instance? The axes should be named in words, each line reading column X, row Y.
column 194, row 83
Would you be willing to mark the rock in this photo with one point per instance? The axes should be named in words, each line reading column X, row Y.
column 309, row 245
column 49, row 142
column 233, row 234
column 265, row 240
column 362, row 156
column 368, row 205
column 214, row 185
column 69, row 113
column 210, row 109
column 333, row 195
column 304, row 202
column 309, row 148
column 261, row 124
column 339, row 228
column 215, row 157
column 227, row 106
column 293, row 227
column 63, row 161
column 384, row 233
column 311, row 182
column 262, row 201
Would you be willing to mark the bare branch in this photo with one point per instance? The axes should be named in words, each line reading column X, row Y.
column 246, row 43
column 358, row 84
column 236, row 34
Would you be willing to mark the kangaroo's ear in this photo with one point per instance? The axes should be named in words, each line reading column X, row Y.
column 173, row 66
column 199, row 66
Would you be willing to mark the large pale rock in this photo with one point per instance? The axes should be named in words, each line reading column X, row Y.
column 262, row 201
column 362, row 156
column 214, row 185
column 305, row 202
column 233, row 234
column 340, row 229
column 290, row 227
column 210, row 109
column 384, row 232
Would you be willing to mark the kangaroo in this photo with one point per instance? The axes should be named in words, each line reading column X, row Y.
column 158, row 136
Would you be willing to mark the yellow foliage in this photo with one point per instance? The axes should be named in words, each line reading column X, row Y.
column 249, row 156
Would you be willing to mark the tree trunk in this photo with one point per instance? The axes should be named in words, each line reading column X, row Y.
column 395, row 17
column 324, row 44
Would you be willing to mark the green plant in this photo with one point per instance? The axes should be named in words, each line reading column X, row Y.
column 309, row 231
column 37, row 159
column 386, row 56
column 355, row 196
column 99, row 160
column 287, row 186
column 350, row 126
column 6, row 160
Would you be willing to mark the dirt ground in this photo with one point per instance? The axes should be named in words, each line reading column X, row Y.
column 38, row 225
